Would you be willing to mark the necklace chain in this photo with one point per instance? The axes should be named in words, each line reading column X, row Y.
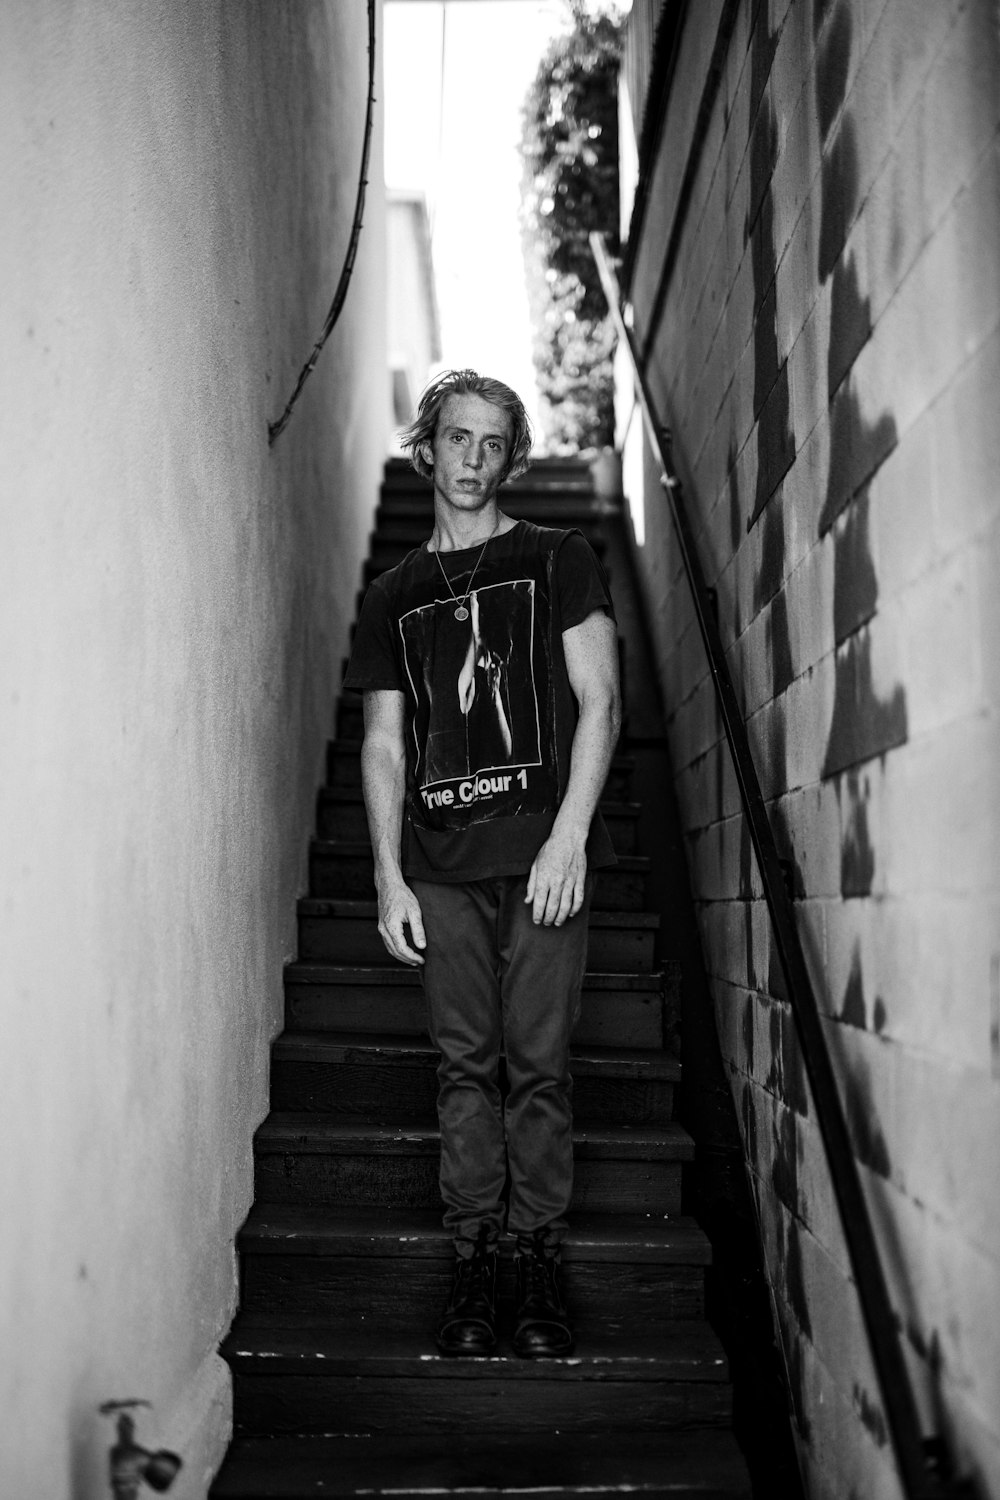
column 461, row 612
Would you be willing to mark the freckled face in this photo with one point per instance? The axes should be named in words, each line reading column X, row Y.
column 470, row 450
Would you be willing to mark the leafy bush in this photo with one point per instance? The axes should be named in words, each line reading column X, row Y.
column 569, row 143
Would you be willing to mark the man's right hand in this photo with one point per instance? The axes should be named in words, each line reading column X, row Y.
column 398, row 907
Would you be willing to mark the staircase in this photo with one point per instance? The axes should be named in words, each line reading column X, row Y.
column 339, row 1390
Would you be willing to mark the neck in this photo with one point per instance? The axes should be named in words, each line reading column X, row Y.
column 454, row 530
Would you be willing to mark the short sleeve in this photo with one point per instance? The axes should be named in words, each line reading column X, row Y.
column 581, row 582
column 374, row 663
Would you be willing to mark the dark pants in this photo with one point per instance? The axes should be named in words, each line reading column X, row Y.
column 490, row 977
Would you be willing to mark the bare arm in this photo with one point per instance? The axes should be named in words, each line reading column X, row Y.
column 556, row 880
column 383, row 777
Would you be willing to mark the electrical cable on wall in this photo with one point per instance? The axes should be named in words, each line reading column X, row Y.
column 275, row 429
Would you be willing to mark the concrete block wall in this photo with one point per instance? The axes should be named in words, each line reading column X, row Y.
column 826, row 347
column 175, row 598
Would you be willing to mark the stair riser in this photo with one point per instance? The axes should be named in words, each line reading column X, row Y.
column 608, row 1018
column 604, row 1186
column 350, row 720
column 385, row 1093
column 350, row 877
column 341, row 820
column 346, row 820
column 697, row 1464
column 272, row 1404
column 351, row 1292
column 344, row 770
column 355, row 940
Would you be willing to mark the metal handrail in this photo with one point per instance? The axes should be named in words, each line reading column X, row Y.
column 921, row 1461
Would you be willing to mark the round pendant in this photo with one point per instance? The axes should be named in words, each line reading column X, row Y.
column 461, row 613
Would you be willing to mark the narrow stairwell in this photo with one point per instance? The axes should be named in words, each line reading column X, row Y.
column 339, row 1390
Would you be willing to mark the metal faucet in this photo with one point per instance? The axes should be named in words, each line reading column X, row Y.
column 129, row 1464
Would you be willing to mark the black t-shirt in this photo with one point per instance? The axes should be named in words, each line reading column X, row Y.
column 489, row 712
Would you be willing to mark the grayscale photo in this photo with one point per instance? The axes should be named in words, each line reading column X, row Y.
column 500, row 749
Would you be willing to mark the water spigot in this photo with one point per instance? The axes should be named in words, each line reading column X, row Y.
column 129, row 1463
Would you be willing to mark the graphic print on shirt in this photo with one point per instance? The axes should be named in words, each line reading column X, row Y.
column 478, row 726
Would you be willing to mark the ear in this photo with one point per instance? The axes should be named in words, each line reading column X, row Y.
column 426, row 452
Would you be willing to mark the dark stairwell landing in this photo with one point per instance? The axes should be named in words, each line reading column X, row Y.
column 338, row 1387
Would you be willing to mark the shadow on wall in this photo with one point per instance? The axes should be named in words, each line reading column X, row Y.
column 863, row 724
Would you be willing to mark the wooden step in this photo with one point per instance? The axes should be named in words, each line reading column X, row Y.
column 345, row 932
column 618, row 1010
column 290, row 1379
column 312, row 1158
column 338, row 867
column 344, row 769
column 683, row 1464
column 418, row 1234
column 381, row 1077
column 350, row 719
column 369, row 1269
column 340, row 814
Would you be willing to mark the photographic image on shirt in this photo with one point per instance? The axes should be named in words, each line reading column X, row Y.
column 476, row 727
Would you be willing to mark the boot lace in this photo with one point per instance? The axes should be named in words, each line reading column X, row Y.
column 474, row 1272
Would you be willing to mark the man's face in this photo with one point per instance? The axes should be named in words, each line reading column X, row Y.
column 470, row 451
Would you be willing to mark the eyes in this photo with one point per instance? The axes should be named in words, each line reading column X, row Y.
column 492, row 445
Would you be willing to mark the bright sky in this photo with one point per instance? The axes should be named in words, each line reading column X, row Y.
column 458, row 142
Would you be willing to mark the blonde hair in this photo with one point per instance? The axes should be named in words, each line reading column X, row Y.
column 467, row 383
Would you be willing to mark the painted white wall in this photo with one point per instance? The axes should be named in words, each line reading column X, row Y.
column 178, row 182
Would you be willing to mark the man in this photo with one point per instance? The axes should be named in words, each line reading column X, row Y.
column 488, row 663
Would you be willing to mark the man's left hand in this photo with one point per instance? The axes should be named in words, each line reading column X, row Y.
column 557, row 881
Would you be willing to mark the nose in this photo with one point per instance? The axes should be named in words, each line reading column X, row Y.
column 473, row 457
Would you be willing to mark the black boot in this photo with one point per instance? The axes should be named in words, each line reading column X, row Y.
column 541, row 1326
column 469, row 1322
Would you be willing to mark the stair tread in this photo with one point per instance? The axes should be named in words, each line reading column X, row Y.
column 320, row 1133
column 334, row 1046
column 315, row 971
column 336, row 906
column 308, row 1229
column 684, row 1351
column 686, row 1462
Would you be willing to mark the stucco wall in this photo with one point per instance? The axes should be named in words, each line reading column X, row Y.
column 178, row 182
column 826, row 345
